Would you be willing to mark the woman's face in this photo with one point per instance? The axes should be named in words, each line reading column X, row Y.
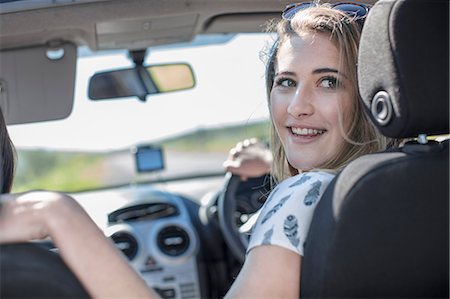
column 310, row 91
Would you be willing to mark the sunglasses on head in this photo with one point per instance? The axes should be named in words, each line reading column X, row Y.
column 357, row 11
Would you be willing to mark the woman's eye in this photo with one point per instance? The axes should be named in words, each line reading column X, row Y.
column 285, row 82
column 329, row 82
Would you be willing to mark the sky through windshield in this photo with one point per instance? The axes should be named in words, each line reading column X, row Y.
column 230, row 89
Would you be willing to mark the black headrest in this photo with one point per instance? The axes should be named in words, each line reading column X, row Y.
column 403, row 67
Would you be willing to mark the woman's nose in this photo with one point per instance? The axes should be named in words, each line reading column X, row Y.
column 300, row 104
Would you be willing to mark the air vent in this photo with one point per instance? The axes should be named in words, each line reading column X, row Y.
column 126, row 243
column 173, row 240
column 147, row 211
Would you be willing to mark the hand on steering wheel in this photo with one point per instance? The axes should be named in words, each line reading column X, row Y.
column 249, row 159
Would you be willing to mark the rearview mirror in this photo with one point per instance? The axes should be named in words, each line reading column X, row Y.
column 141, row 81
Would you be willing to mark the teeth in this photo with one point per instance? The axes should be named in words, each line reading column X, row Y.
column 304, row 131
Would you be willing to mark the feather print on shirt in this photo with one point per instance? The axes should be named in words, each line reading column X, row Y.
column 313, row 194
column 268, row 237
column 290, row 229
column 300, row 181
column 275, row 208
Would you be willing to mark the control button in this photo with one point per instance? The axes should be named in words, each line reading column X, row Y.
column 150, row 262
column 166, row 293
column 151, row 265
column 188, row 290
column 169, row 279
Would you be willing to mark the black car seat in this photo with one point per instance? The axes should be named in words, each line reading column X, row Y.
column 381, row 230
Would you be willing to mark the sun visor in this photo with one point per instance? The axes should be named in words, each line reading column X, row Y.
column 37, row 83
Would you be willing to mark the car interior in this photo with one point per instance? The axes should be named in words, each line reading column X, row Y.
column 381, row 229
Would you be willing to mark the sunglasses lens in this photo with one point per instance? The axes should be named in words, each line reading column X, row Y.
column 354, row 10
column 292, row 9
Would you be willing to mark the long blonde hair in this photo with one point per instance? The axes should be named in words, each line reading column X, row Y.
column 361, row 137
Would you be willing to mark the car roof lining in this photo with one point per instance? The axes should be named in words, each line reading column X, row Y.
column 148, row 24
column 80, row 22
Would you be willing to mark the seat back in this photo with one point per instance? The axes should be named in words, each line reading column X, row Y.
column 382, row 227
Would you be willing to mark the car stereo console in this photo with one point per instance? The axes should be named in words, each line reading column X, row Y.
column 157, row 237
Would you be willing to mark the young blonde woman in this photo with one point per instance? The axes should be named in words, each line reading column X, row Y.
column 318, row 128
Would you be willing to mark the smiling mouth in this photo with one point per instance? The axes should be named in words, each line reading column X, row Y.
column 306, row 132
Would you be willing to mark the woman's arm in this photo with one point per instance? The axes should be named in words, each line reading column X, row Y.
column 99, row 266
column 268, row 272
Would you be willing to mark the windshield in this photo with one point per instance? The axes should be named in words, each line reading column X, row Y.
column 196, row 128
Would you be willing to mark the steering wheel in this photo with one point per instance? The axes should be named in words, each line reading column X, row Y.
column 236, row 203
column 30, row 271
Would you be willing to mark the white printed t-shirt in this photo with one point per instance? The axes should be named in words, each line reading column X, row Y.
column 285, row 217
